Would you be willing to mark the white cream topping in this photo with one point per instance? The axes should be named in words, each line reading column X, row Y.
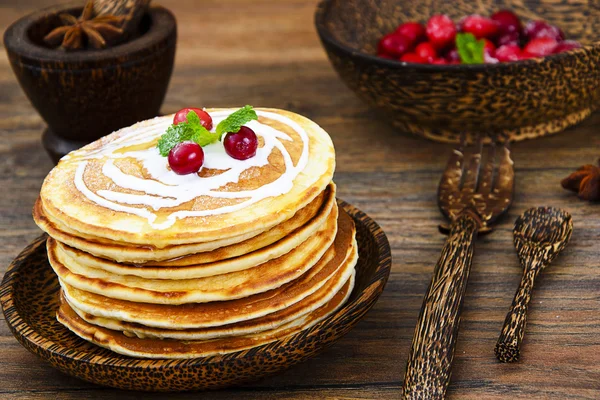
column 167, row 189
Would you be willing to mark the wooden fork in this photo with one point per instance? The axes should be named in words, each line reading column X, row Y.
column 472, row 201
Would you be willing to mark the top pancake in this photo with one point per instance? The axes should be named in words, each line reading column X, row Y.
column 120, row 189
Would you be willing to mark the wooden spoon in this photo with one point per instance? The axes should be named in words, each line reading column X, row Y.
column 540, row 234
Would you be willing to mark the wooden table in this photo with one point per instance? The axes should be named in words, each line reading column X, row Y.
column 266, row 53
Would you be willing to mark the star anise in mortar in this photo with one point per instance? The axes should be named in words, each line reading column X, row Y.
column 76, row 33
column 585, row 182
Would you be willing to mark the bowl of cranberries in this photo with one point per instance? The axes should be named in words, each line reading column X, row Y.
column 441, row 69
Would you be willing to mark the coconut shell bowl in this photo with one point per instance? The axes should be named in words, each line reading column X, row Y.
column 523, row 99
column 83, row 95
column 29, row 298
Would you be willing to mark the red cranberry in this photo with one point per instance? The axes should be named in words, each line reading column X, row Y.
column 489, row 47
column 542, row 29
column 186, row 158
column 480, row 27
column 489, row 59
column 394, row 45
column 453, row 55
column 205, row 118
column 412, row 30
column 427, row 51
column 525, row 56
column 540, row 47
column 441, row 31
column 566, row 46
column 533, row 27
column 509, row 38
column 242, row 144
column 413, row 58
column 508, row 52
column 508, row 22
column 553, row 32
column 439, row 61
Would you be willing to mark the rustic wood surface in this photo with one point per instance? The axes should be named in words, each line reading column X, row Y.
column 266, row 53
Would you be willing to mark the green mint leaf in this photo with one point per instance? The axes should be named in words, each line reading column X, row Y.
column 193, row 118
column 234, row 122
column 203, row 136
column 190, row 130
column 200, row 134
column 175, row 134
column 469, row 48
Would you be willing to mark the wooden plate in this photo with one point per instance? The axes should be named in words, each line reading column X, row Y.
column 29, row 297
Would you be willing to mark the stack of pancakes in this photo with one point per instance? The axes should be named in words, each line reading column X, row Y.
column 158, row 265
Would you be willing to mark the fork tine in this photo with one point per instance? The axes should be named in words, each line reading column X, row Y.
column 449, row 187
column 506, row 175
column 450, row 182
column 486, row 179
column 472, row 169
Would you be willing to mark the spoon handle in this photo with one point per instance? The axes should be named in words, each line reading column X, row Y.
column 430, row 358
column 509, row 343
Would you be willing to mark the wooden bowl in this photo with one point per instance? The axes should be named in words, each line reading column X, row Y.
column 29, row 297
column 525, row 99
column 84, row 95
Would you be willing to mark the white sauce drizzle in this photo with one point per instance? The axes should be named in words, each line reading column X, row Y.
column 167, row 189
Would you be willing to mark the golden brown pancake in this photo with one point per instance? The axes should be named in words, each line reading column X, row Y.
column 177, row 349
column 192, row 253
column 203, row 315
column 118, row 188
column 270, row 321
column 242, row 253
column 225, row 263
column 233, row 285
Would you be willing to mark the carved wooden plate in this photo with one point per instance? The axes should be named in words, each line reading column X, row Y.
column 29, row 297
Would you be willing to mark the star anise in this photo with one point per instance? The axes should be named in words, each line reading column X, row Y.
column 585, row 182
column 76, row 33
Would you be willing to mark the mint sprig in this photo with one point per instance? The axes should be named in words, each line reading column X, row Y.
column 175, row 134
column 184, row 131
column 193, row 130
column 470, row 49
column 201, row 135
column 236, row 120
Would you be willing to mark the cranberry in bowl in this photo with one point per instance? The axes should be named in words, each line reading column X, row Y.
column 462, row 67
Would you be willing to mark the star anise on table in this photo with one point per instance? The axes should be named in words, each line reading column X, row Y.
column 585, row 182
column 87, row 30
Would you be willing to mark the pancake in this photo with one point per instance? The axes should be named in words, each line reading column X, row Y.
column 239, row 254
column 204, row 315
column 233, row 285
column 270, row 321
column 178, row 255
column 228, row 262
column 123, row 252
column 119, row 189
column 176, row 349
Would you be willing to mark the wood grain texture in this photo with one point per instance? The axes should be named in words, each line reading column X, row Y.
column 484, row 186
column 472, row 193
column 268, row 54
column 540, row 235
column 430, row 358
